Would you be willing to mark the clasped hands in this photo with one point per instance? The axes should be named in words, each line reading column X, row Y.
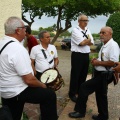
column 95, row 62
column 117, row 67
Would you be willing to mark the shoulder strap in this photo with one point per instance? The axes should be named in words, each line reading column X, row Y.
column 5, row 46
column 107, row 68
column 45, row 56
column 84, row 34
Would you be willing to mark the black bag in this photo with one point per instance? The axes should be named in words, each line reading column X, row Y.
column 5, row 113
column 111, row 76
column 108, row 75
column 116, row 78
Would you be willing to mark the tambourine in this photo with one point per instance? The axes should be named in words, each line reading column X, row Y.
column 52, row 79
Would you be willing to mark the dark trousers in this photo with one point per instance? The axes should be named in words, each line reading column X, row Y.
column 38, row 75
column 99, row 85
column 36, row 95
column 79, row 70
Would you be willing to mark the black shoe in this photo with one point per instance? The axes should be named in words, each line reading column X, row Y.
column 73, row 98
column 96, row 117
column 76, row 115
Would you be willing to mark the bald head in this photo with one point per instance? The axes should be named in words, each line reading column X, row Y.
column 106, row 34
column 108, row 29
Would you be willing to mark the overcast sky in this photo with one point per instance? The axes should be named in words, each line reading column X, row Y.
column 94, row 24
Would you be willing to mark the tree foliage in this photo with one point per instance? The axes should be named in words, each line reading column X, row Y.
column 67, row 10
column 66, row 33
column 114, row 23
column 49, row 29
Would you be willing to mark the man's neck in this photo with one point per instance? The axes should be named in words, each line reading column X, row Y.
column 44, row 45
column 14, row 36
column 83, row 28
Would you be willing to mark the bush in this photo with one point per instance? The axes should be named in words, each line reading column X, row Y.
column 92, row 55
column 114, row 23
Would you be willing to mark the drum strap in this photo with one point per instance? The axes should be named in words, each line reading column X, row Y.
column 45, row 56
column 5, row 46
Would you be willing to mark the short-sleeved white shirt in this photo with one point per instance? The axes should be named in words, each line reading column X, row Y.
column 41, row 64
column 14, row 63
column 77, row 37
column 110, row 51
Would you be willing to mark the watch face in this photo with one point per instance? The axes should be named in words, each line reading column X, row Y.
column 49, row 76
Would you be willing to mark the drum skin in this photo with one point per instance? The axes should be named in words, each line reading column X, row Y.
column 52, row 79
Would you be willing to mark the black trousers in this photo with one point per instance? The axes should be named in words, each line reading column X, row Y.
column 36, row 95
column 99, row 85
column 79, row 70
column 38, row 75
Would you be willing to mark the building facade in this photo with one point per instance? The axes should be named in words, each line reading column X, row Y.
column 8, row 8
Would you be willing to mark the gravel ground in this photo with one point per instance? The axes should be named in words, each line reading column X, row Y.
column 64, row 67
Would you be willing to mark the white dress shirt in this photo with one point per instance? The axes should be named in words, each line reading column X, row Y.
column 77, row 37
column 14, row 63
column 41, row 64
column 110, row 51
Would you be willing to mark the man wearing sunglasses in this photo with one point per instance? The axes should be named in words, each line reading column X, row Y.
column 17, row 82
column 81, row 40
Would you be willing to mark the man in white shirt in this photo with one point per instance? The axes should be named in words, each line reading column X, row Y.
column 44, row 56
column 108, row 55
column 81, row 40
column 17, row 83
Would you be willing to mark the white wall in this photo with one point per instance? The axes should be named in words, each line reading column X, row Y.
column 8, row 8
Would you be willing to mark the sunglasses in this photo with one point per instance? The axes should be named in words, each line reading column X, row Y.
column 102, row 33
column 22, row 27
column 85, row 20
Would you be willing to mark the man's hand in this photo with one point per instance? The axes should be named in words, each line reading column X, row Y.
column 43, row 85
column 117, row 68
column 95, row 62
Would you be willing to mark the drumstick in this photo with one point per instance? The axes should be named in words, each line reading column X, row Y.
column 47, row 79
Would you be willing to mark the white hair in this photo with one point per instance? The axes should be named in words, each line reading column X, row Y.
column 11, row 24
column 80, row 16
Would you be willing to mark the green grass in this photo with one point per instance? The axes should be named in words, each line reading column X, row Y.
column 25, row 117
column 92, row 55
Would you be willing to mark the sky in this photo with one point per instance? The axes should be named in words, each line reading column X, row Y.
column 95, row 24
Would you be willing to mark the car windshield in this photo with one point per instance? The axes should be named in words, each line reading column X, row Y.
column 66, row 40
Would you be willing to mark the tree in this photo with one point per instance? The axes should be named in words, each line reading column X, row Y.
column 50, row 28
column 114, row 23
column 35, row 32
column 68, row 10
column 66, row 33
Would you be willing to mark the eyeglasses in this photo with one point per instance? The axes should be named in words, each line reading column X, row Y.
column 22, row 27
column 85, row 20
column 102, row 33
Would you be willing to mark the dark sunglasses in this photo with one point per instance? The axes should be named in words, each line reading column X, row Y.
column 102, row 33
column 85, row 20
column 22, row 27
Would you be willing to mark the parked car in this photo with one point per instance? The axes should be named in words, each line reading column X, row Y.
column 36, row 36
column 66, row 43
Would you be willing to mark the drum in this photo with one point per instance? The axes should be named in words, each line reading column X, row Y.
column 52, row 79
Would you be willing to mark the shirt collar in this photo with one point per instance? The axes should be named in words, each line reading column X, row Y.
column 11, row 38
column 78, row 27
column 41, row 47
column 108, row 42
